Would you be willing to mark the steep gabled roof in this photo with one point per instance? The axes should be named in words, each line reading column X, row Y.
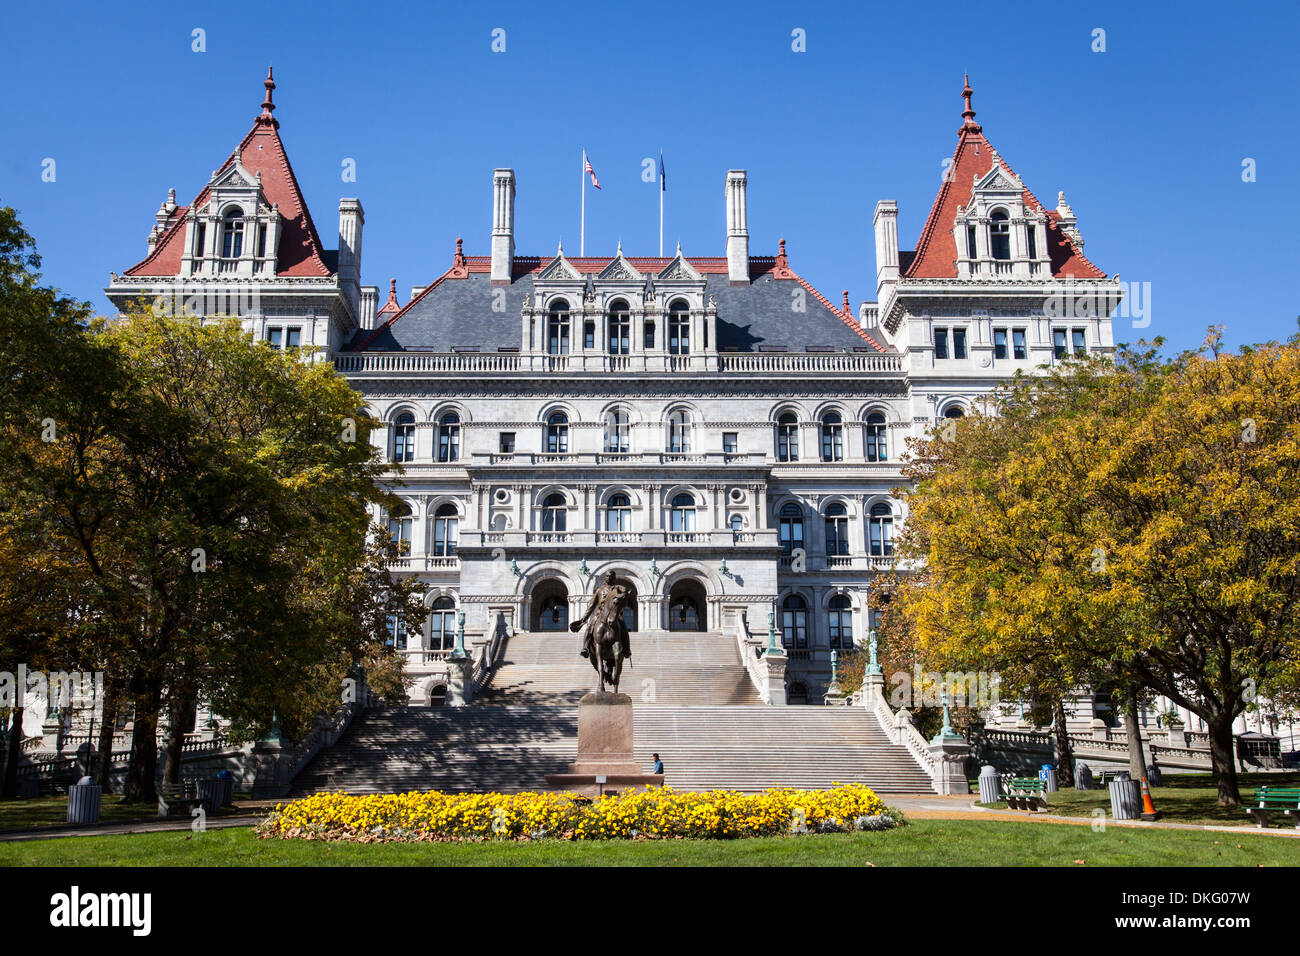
column 300, row 252
column 936, row 251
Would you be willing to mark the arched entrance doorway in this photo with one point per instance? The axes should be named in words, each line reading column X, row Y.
column 687, row 607
column 550, row 606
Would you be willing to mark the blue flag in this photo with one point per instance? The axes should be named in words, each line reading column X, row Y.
column 663, row 183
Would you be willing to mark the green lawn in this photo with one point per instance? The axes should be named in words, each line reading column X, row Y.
column 923, row 842
column 1185, row 798
column 53, row 811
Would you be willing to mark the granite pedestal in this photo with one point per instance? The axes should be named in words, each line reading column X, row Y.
column 606, row 761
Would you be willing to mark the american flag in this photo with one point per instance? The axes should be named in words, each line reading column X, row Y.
column 590, row 172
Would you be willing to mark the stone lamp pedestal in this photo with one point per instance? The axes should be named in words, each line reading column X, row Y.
column 606, row 761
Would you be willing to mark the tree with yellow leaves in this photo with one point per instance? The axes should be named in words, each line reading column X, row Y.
column 1134, row 523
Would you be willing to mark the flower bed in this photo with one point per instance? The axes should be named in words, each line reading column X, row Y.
column 653, row 814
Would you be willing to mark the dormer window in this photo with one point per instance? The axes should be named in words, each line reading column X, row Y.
column 679, row 328
column 557, row 329
column 1032, row 243
column 232, row 233
column 1000, row 235
column 620, row 326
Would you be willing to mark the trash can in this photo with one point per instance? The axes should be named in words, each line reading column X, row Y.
column 1153, row 774
column 1047, row 774
column 990, row 790
column 1082, row 777
column 1125, row 797
column 227, row 787
column 211, row 791
column 83, row 801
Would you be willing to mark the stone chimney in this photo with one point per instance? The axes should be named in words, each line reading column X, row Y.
column 352, row 219
column 737, row 227
column 886, row 220
column 369, row 302
column 503, row 225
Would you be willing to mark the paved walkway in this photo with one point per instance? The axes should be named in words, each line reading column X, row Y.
column 964, row 807
column 247, row 814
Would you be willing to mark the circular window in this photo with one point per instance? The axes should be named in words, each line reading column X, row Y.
column 737, row 495
column 502, row 495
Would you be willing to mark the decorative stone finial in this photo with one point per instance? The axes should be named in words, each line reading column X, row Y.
column 968, row 114
column 846, row 310
column 268, row 106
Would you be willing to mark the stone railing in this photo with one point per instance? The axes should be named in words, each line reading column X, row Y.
column 485, row 663
column 849, row 362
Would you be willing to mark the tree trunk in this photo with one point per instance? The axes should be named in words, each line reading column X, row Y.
column 1221, row 759
column 9, row 789
column 141, row 775
column 1137, row 766
column 104, row 747
column 1065, row 755
column 180, row 719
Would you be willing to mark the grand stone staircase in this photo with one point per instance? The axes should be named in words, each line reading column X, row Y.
column 693, row 703
column 666, row 668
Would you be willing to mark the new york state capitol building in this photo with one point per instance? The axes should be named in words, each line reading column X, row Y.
column 711, row 428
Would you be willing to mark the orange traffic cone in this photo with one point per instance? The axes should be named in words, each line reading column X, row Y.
column 1149, row 811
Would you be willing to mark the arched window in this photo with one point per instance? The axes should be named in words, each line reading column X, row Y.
column 618, row 513
column 839, row 619
column 837, row 529
column 737, row 523
column 832, row 437
column 1000, row 235
column 399, row 529
column 617, row 431
column 679, row 432
column 679, row 328
column 681, row 517
column 557, row 328
column 877, row 438
column 794, row 622
column 445, row 531
column 442, row 625
column 449, row 437
column 791, row 525
column 882, row 530
column 404, row 437
column 232, row 233
column 554, row 513
column 557, row 434
column 954, row 412
column 787, row 437
column 619, row 327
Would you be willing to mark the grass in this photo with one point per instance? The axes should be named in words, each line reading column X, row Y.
column 53, row 811
column 1183, row 798
column 920, row 843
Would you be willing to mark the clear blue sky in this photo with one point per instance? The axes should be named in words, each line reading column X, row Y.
column 1147, row 139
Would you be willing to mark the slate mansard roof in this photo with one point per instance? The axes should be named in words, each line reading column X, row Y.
column 457, row 310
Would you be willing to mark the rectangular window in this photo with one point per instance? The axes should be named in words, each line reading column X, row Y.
column 649, row 335
column 999, row 343
column 261, row 241
column 275, row 336
column 507, row 443
column 589, row 335
column 1033, row 240
column 941, row 343
column 292, row 337
column 1080, row 342
column 970, row 242
column 1058, row 343
column 1018, row 344
column 729, row 442
column 959, row 343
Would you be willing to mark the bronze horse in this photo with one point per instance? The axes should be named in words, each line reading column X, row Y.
column 606, row 642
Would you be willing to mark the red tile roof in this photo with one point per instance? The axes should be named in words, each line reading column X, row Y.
column 936, row 251
column 261, row 151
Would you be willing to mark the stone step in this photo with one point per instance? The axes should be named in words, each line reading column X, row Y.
column 513, row 748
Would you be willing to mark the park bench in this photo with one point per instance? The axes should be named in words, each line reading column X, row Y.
column 1026, row 793
column 1269, row 800
column 178, row 797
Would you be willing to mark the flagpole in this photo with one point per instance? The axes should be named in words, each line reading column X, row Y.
column 582, row 232
column 661, row 218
